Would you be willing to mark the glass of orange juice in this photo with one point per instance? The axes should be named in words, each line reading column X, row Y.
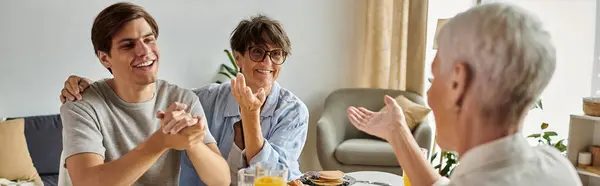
column 405, row 176
column 270, row 174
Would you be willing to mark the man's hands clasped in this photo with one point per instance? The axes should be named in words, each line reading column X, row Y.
column 180, row 130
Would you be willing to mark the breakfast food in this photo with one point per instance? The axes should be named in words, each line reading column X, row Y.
column 327, row 182
column 323, row 178
column 326, row 178
column 331, row 175
column 295, row 183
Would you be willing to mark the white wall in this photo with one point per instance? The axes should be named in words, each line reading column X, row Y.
column 42, row 42
column 575, row 58
column 595, row 91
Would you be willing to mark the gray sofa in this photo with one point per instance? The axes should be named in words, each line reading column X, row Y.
column 44, row 142
column 341, row 146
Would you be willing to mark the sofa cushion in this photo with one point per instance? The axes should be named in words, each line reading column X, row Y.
column 15, row 162
column 50, row 180
column 44, row 141
column 367, row 152
column 414, row 112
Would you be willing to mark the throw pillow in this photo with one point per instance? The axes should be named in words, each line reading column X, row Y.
column 414, row 112
column 15, row 161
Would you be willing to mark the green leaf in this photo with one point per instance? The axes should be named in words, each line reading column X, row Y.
column 560, row 146
column 451, row 161
column 448, row 154
column 446, row 170
column 560, row 142
column 225, row 74
column 430, row 80
column 544, row 126
column 451, row 155
column 230, row 58
column 231, row 71
column 562, row 149
column 550, row 133
column 547, row 138
column 437, row 166
column 534, row 136
column 433, row 157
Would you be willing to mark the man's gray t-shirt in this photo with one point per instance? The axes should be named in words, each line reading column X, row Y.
column 104, row 124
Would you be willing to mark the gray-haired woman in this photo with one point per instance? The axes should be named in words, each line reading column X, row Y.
column 493, row 62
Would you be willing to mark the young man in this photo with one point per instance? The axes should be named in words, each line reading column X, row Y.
column 253, row 118
column 131, row 129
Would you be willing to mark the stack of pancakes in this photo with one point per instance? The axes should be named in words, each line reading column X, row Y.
column 328, row 178
column 324, row 178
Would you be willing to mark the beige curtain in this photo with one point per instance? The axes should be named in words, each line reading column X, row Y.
column 393, row 53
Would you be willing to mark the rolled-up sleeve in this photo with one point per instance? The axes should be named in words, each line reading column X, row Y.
column 287, row 140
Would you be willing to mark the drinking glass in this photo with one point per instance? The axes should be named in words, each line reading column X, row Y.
column 245, row 176
column 270, row 174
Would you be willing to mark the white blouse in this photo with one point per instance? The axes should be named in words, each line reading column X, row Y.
column 512, row 161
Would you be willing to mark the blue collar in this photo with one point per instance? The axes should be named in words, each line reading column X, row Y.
column 233, row 108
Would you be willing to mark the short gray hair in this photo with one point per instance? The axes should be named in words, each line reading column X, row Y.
column 509, row 53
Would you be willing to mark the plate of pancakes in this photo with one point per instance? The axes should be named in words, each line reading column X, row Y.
column 324, row 178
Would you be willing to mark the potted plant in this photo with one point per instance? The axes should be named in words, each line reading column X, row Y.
column 446, row 167
column 226, row 70
column 544, row 138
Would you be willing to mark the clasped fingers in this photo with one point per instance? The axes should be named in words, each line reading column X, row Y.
column 178, row 121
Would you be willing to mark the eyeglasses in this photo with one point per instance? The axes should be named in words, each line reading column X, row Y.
column 258, row 54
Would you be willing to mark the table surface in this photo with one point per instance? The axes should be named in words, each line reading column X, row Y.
column 383, row 177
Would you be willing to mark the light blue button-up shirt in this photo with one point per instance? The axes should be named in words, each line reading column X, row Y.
column 283, row 119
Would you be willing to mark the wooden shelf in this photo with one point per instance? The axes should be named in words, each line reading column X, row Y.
column 584, row 131
column 587, row 173
column 585, row 117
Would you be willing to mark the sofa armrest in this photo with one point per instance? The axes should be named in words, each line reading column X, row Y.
column 424, row 136
column 329, row 137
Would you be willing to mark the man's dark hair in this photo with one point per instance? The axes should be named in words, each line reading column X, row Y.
column 112, row 19
column 250, row 32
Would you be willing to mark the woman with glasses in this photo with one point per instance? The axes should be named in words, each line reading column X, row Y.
column 252, row 118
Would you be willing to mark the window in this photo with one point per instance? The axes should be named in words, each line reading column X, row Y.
column 439, row 9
